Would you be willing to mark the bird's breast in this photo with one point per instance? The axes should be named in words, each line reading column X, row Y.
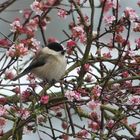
column 54, row 69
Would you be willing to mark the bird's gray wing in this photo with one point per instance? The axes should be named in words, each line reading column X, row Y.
column 38, row 61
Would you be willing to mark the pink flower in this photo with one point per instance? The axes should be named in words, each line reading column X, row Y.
column 128, row 83
column 78, row 32
column 125, row 74
column 31, row 78
column 44, row 99
column 119, row 38
column 107, row 55
column 62, row 13
column 87, row 67
column 136, row 27
column 9, row 75
column 96, row 91
column 26, row 13
column 72, row 95
column 52, row 2
column 64, row 125
column 109, row 4
column 4, row 42
column 25, row 95
column 71, row 43
column 32, row 24
column 16, row 25
column 83, row 133
column 110, row 124
column 94, row 116
column 17, row 50
column 70, row 46
column 35, row 43
column 16, row 90
column 2, row 111
column 3, row 100
column 137, row 41
column 133, row 126
column 24, row 113
column 131, row 53
column 86, row 19
column 94, row 126
column 89, row 78
column 130, row 13
column 93, row 105
column 37, row 7
column 109, row 19
column 44, row 23
column 134, row 100
column 2, row 122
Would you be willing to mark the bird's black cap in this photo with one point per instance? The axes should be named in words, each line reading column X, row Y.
column 55, row 46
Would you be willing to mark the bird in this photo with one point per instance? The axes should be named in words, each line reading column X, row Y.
column 49, row 64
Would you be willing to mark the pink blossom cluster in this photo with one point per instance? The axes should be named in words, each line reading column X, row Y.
column 16, row 25
column 130, row 13
column 96, row 91
column 44, row 99
column 26, row 13
column 17, row 50
column 83, row 134
column 125, row 74
column 107, row 55
column 2, row 111
column 94, row 126
column 9, row 74
column 93, row 104
column 72, row 95
column 79, row 33
column 37, row 7
column 87, row 67
column 70, row 46
column 136, row 27
column 4, row 42
column 25, row 95
column 29, row 42
column 24, row 113
column 62, row 13
column 109, row 19
column 109, row 4
column 134, row 100
column 110, row 124
column 32, row 25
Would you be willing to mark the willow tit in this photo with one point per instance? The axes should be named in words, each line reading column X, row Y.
column 49, row 64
